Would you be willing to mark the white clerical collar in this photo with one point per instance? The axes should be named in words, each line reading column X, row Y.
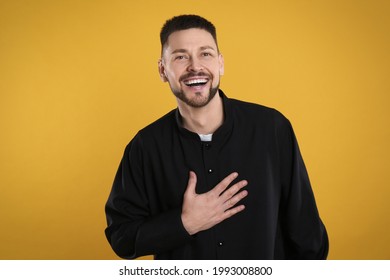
column 206, row 137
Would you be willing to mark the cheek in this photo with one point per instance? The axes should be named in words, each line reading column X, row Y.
column 214, row 68
column 170, row 75
column 173, row 80
column 175, row 74
column 217, row 73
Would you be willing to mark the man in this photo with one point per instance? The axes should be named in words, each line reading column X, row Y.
column 215, row 178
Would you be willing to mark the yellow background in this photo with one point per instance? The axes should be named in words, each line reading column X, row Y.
column 79, row 78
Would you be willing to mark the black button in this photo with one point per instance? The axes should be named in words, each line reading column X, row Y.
column 210, row 170
column 207, row 145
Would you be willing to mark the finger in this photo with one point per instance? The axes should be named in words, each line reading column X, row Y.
column 233, row 190
column 235, row 199
column 233, row 211
column 191, row 183
column 225, row 183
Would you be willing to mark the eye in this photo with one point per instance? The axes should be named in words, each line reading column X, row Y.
column 180, row 57
column 206, row 54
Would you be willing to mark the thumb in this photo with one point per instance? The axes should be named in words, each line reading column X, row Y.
column 191, row 183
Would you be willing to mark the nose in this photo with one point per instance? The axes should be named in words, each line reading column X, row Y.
column 194, row 65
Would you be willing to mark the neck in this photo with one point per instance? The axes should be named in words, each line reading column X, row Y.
column 204, row 120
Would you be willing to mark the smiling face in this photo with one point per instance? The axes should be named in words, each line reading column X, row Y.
column 192, row 66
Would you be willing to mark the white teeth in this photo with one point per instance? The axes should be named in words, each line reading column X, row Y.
column 196, row 81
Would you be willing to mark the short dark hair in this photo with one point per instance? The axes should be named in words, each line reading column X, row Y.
column 184, row 22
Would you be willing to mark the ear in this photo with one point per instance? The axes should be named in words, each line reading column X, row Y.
column 221, row 65
column 161, row 71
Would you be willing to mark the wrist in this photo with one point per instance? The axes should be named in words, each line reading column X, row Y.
column 187, row 225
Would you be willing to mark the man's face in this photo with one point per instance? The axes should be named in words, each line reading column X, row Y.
column 192, row 66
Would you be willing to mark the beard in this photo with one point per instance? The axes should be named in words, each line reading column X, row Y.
column 199, row 100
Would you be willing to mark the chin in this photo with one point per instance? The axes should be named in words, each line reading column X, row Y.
column 201, row 99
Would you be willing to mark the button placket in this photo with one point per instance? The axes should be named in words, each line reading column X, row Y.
column 210, row 164
column 207, row 146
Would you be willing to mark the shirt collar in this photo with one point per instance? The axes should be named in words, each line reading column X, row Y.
column 222, row 132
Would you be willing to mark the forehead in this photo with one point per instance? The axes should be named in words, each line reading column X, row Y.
column 188, row 39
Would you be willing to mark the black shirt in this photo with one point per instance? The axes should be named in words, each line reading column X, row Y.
column 280, row 220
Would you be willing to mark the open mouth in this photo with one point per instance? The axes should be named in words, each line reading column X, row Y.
column 196, row 82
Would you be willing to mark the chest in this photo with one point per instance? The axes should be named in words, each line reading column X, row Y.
column 254, row 158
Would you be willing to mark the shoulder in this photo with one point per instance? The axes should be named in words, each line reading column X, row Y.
column 152, row 135
column 258, row 114
column 157, row 130
column 162, row 124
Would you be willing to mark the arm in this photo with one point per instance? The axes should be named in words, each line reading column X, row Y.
column 132, row 231
column 305, row 234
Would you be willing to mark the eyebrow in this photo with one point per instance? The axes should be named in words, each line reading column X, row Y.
column 206, row 48
column 184, row 50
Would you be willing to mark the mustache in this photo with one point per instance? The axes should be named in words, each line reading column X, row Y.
column 192, row 74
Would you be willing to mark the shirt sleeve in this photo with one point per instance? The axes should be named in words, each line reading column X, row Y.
column 304, row 233
column 132, row 231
